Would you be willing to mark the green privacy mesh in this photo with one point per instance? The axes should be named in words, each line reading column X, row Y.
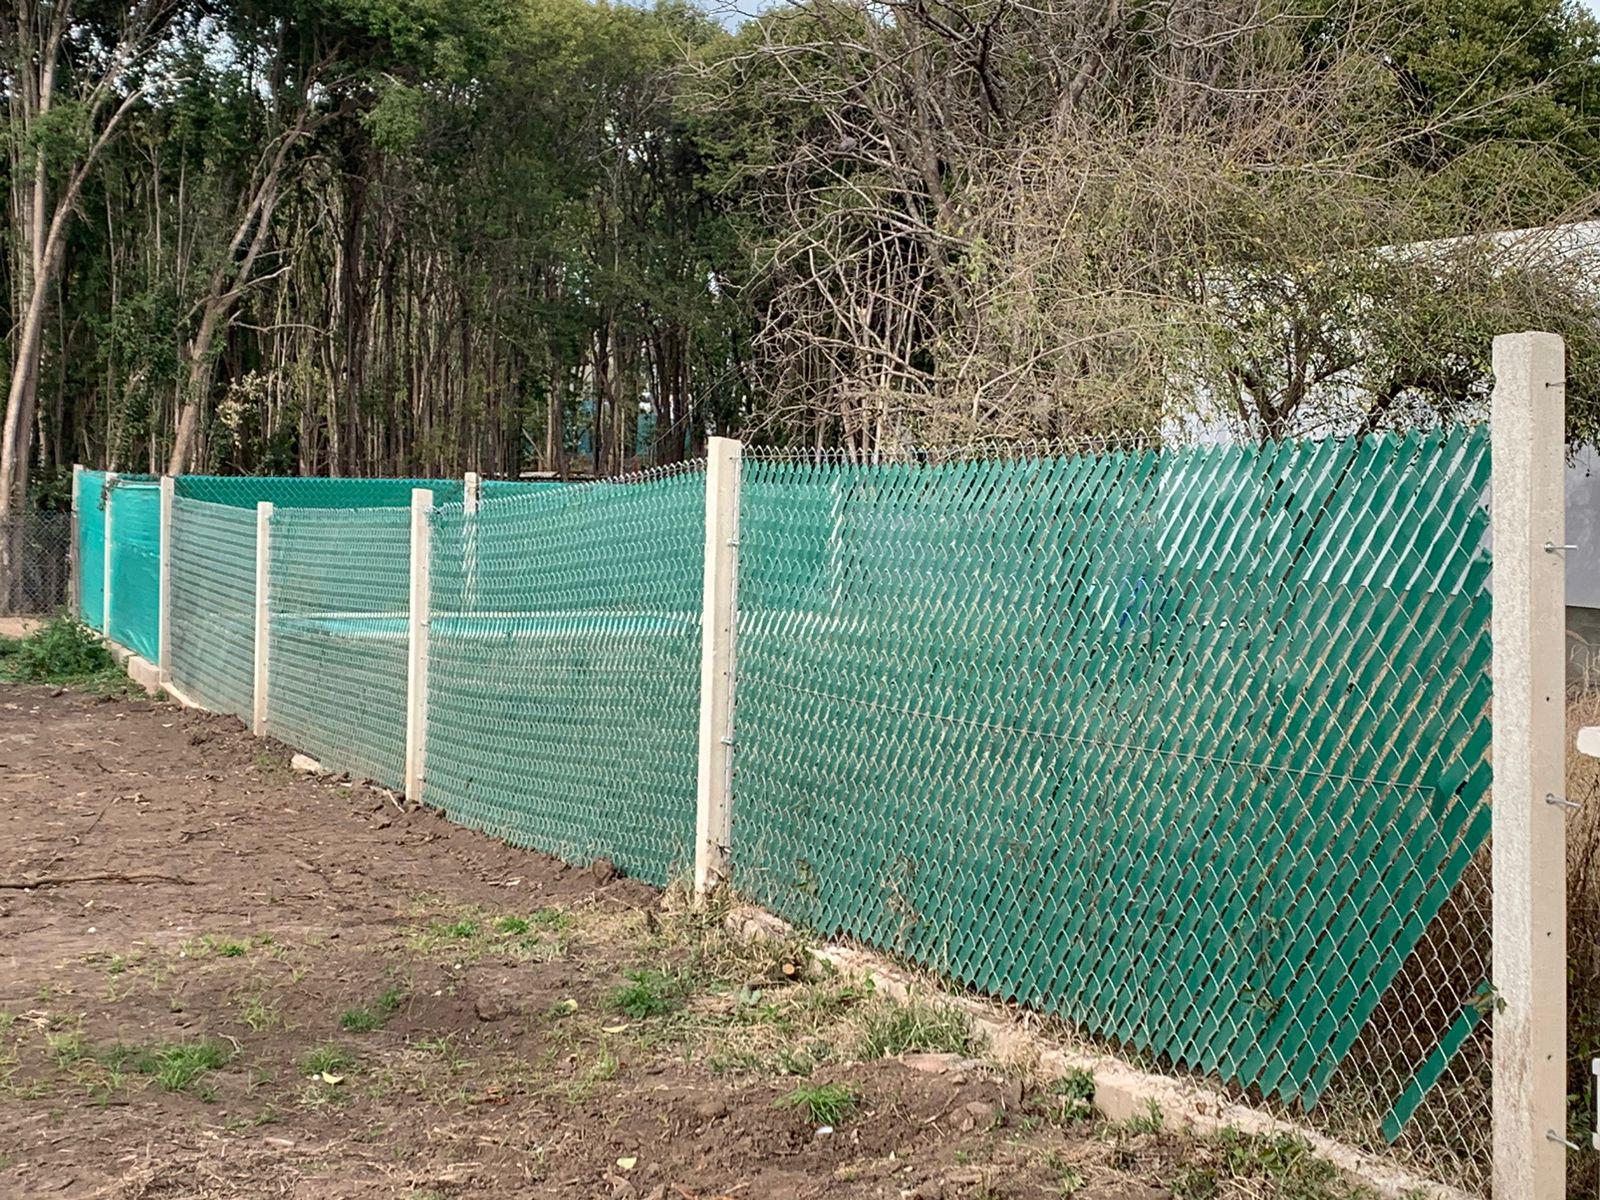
column 91, row 506
column 1188, row 746
column 501, row 488
column 563, row 698
column 135, row 592
column 312, row 491
column 212, row 639
column 338, row 604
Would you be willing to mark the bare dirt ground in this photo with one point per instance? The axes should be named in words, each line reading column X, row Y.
column 220, row 979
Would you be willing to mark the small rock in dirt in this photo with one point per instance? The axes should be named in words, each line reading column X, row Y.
column 979, row 1114
column 1011, row 1094
column 280, row 1143
column 712, row 1109
column 491, row 1008
column 304, row 762
column 931, row 1063
column 1125, row 1189
column 603, row 871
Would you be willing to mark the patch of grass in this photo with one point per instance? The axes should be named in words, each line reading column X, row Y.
column 888, row 1029
column 603, row 1067
column 180, row 1066
column 67, row 1048
column 1069, row 1098
column 67, row 653
column 326, row 1059
column 471, row 934
column 823, row 1103
column 213, row 944
column 446, row 1050
column 1149, row 1121
column 1284, row 1161
column 376, row 1015
column 646, row 994
column 256, row 1013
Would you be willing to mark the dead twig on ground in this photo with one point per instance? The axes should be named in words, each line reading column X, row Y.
column 108, row 877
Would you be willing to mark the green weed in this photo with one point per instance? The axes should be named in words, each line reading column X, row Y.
column 256, row 1014
column 365, row 1020
column 65, row 652
column 889, row 1029
column 180, row 1066
column 327, row 1059
column 646, row 994
column 823, row 1103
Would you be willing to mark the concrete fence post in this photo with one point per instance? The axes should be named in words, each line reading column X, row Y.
column 1529, row 834
column 104, row 499
column 417, row 645
column 74, row 561
column 263, row 665
column 719, row 629
column 164, row 598
column 471, row 501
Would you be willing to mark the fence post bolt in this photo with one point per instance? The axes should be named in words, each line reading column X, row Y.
column 417, row 646
column 164, row 598
column 106, row 491
column 719, row 618
column 258, row 712
column 1529, row 835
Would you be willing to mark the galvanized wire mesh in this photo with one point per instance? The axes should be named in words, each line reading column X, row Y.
column 564, row 651
column 1189, row 747
column 133, row 619
column 338, row 606
column 35, row 563
column 213, row 572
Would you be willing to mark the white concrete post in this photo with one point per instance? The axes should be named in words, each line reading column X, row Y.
column 1530, row 902
column 417, row 646
column 106, row 491
column 713, row 821
column 164, row 601
column 74, row 565
column 471, row 500
column 258, row 716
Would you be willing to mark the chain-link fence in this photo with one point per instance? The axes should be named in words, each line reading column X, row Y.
column 211, row 635
column 1186, row 746
column 338, row 603
column 35, row 563
column 563, row 660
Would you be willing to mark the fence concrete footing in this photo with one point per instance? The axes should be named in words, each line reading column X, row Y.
column 1121, row 1090
column 141, row 670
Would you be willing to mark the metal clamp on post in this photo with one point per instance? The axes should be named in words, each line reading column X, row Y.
column 1562, row 802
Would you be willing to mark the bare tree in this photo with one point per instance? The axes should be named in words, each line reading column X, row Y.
column 979, row 219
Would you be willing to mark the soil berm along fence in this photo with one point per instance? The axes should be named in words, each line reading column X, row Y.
column 1188, row 745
